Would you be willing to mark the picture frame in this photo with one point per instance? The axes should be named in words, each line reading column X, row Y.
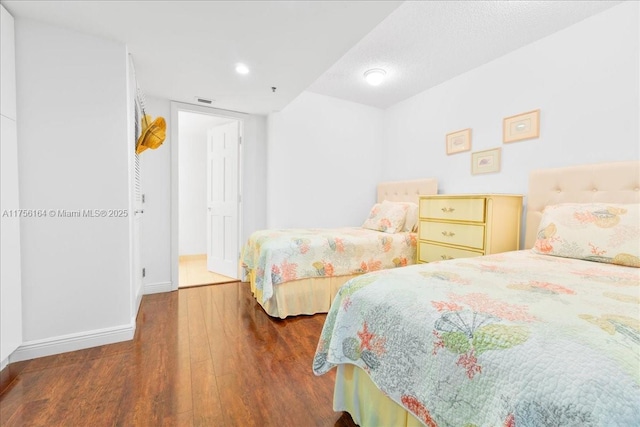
column 458, row 141
column 521, row 126
column 486, row 161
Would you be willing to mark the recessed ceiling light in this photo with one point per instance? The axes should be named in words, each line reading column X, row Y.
column 242, row 69
column 375, row 76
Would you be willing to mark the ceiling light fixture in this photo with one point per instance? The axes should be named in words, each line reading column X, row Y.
column 242, row 69
column 375, row 76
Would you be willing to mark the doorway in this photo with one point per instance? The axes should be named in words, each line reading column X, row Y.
column 206, row 160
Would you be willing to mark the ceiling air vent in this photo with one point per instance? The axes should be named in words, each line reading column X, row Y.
column 205, row 101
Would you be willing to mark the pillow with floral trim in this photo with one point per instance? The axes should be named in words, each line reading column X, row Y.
column 387, row 217
column 411, row 218
column 602, row 232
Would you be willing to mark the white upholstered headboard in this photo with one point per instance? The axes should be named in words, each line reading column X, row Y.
column 406, row 191
column 617, row 182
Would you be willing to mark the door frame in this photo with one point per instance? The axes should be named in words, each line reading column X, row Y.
column 176, row 108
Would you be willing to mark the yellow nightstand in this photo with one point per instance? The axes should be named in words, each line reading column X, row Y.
column 469, row 225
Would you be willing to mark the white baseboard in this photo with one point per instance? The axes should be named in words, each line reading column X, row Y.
column 79, row 341
column 72, row 342
column 156, row 288
column 136, row 308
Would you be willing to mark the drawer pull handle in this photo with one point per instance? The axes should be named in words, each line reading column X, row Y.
column 445, row 257
column 448, row 233
column 447, row 210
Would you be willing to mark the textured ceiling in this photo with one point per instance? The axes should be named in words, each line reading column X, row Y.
column 188, row 49
column 184, row 49
column 424, row 43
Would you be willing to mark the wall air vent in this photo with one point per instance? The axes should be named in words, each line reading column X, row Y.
column 205, row 101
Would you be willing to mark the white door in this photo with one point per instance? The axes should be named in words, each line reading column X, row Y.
column 222, row 199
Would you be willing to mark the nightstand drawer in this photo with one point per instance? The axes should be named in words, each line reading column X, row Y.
column 430, row 252
column 468, row 235
column 462, row 209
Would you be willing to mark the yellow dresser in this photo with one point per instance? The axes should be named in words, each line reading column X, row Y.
column 463, row 226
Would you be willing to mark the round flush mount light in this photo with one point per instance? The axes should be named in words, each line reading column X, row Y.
column 375, row 76
column 242, row 69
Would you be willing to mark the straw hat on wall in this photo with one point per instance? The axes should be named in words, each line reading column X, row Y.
column 153, row 133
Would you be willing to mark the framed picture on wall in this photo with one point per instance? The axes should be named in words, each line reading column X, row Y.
column 521, row 126
column 485, row 161
column 459, row 141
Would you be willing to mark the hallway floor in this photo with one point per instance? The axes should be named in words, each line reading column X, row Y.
column 193, row 272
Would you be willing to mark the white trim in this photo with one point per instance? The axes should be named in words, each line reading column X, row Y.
column 136, row 304
column 72, row 342
column 156, row 288
column 176, row 107
column 135, row 278
column 4, row 363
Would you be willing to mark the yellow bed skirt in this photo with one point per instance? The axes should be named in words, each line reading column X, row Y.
column 356, row 394
column 304, row 296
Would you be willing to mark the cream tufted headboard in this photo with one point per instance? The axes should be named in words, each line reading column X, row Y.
column 617, row 182
column 406, row 191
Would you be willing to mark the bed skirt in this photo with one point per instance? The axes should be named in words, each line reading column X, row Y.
column 303, row 296
column 356, row 394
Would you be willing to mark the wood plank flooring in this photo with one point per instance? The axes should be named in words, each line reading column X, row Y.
column 192, row 271
column 203, row 356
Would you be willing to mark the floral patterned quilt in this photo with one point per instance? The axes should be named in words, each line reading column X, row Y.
column 514, row 339
column 279, row 256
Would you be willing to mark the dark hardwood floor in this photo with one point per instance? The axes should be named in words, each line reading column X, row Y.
column 205, row 356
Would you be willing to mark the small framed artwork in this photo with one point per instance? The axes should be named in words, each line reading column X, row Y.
column 521, row 126
column 459, row 141
column 485, row 161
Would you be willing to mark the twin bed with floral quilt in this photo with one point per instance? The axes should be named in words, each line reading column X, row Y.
column 299, row 271
column 547, row 336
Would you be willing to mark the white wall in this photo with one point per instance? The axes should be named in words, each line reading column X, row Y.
column 254, row 176
column 193, row 181
column 324, row 162
column 584, row 79
column 10, row 262
column 73, row 154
